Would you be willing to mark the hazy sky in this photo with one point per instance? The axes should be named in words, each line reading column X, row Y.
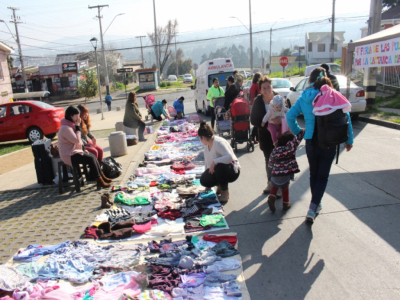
column 53, row 20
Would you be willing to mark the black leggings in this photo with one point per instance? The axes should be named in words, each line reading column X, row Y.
column 141, row 127
column 88, row 159
column 212, row 112
column 159, row 118
column 254, row 134
column 223, row 174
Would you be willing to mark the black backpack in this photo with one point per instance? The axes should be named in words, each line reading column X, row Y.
column 111, row 168
column 331, row 130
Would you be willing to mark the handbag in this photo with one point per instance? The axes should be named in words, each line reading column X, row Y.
column 54, row 150
column 111, row 168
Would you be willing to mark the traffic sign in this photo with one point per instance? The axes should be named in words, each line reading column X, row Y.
column 124, row 70
column 283, row 61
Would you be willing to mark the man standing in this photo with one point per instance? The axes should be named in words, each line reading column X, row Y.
column 179, row 107
column 108, row 99
column 332, row 77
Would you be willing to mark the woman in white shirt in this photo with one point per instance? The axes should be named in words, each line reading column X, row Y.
column 221, row 164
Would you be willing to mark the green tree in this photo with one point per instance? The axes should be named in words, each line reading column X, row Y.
column 390, row 3
column 203, row 58
column 154, row 66
column 88, row 86
column 285, row 52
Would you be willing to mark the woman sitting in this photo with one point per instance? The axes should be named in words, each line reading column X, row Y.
column 70, row 147
column 133, row 118
column 90, row 145
column 221, row 164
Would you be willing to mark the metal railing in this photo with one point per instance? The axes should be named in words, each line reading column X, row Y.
column 388, row 76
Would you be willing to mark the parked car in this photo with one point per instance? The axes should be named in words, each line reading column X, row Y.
column 248, row 74
column 172, row 78
column 335, row 69
column 246, row 89
column 282, row 86
column 29, row 120
column 188, row 78
column 356, row 98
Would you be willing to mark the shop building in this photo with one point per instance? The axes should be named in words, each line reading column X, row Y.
column 5, row 80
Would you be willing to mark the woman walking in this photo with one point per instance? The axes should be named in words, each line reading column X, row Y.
column 213, row 93
column 320, row 160
column 221, row 164
column 254, row 92
column 258, row 110
column 89, row 141
column 133, row 118
column 70, row 147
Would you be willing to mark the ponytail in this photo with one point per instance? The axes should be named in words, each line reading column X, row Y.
column 205, row 130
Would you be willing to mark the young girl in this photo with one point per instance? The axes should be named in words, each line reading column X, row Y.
column 276, row 108
column 283, row 164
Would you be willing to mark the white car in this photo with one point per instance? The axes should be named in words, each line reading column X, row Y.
column 172, row 78
column 281, row 86
column 357, row 94
column 335, row 69
column 188, row 78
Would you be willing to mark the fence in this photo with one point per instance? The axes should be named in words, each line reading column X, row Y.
column 388, row 76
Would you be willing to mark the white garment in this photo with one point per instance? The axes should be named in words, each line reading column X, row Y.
column 166, row 227
column 220, row 153
column 217, row 293
column 223, row 265
column 272, row 114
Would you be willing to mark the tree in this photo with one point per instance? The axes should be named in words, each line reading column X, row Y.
column 165, row 35
column 285, row 52
column 390, row 3
column 184, row 67
column 113, row 59
column 10, row 62
column 88, row 84
column 203, row 58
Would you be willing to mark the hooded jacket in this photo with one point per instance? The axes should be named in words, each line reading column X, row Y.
column 179, row 107
column 304, row 105
column 69, row 141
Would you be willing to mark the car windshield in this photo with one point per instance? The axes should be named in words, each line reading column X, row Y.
column 279, row 84
column 43, row 105
column 342, row 80
column 188, row 75
column 222, row 77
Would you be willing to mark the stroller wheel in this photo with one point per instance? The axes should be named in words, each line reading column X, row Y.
column 236, row 150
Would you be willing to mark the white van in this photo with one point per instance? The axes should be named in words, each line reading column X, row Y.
column 335, row 69
column 221, row 68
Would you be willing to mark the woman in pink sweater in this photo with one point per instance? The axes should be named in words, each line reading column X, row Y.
column 70, row 147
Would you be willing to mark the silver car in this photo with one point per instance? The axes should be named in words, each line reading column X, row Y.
column 188, row 78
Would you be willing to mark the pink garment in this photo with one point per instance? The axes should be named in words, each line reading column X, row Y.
column 95, row 150
column 172, row 111
column 69, row 141
column 142, row 228
column 131, row 289
column 328, row 100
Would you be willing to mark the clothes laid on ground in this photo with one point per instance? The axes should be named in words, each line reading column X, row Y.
column 225, row 249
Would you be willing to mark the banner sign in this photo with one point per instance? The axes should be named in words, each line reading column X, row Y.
column 70, row 67
column 380, row 54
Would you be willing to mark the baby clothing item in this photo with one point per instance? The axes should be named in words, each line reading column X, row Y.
column 142, row 228
column 213, row 220
column 205, row 257
column 328, row 100
column 192, row 280
column 35, row 252
column 111, row 282
column 272, row 113
column 223, row 265
column 232, row 239
column 11, row 278
column 225, row 249
column 217, row 278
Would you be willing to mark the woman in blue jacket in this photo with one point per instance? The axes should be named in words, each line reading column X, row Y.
column 320, row 160
column 158, row 109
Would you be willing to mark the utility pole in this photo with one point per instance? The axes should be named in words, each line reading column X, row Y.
column 16, row 20
column 99, row 7
column 251, row 41
column 141, row 48
column 156, row 42
column 333, row 32
column 374, row 26
column 176, row 60
column 270, row 53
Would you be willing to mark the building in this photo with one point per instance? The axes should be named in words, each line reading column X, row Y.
column 318, row 46
column 5, row 80
column 389, row 18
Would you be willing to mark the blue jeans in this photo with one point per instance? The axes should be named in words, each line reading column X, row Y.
column 108, row 105
column 320, row 161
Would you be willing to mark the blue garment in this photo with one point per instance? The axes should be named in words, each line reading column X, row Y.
column 35, row 252
column 179, row 107
column 108, row 98
column 158, row 109
column 304, row 105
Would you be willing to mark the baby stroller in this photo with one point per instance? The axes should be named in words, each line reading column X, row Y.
column 220, row 112
column 149, row 100
column 240, row 126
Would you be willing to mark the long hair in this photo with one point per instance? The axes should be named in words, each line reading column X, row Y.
column 131, row 97
column 85, row 124
column 319, row 78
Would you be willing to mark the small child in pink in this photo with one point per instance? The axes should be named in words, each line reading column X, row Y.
column 276, row 108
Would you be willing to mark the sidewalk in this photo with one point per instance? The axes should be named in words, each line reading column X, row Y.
column 25, row 176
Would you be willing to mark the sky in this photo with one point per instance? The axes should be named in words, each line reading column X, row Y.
column 72, row 22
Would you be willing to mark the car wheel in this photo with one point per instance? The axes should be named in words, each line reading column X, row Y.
column 34, row 133
column 288, row 103
column 51, row 136
column 354, row 117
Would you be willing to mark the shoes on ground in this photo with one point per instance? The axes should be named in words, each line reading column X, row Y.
column 311, row 216
column 286, row 205
column 271, row 202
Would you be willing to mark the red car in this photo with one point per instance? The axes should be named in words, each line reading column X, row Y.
column 29, row 120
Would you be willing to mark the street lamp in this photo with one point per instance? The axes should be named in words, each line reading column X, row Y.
column 251, row 37
column 270, row 45
column 111, row 22
column 94, row 44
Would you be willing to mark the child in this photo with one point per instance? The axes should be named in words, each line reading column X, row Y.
column 283, row 164
column 276, row 108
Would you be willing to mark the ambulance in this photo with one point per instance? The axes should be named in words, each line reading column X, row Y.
column 221, row 68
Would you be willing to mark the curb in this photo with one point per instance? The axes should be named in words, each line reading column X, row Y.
column 383, row 123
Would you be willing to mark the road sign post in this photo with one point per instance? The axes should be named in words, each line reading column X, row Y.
column 283, row 61
column 125, row 70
